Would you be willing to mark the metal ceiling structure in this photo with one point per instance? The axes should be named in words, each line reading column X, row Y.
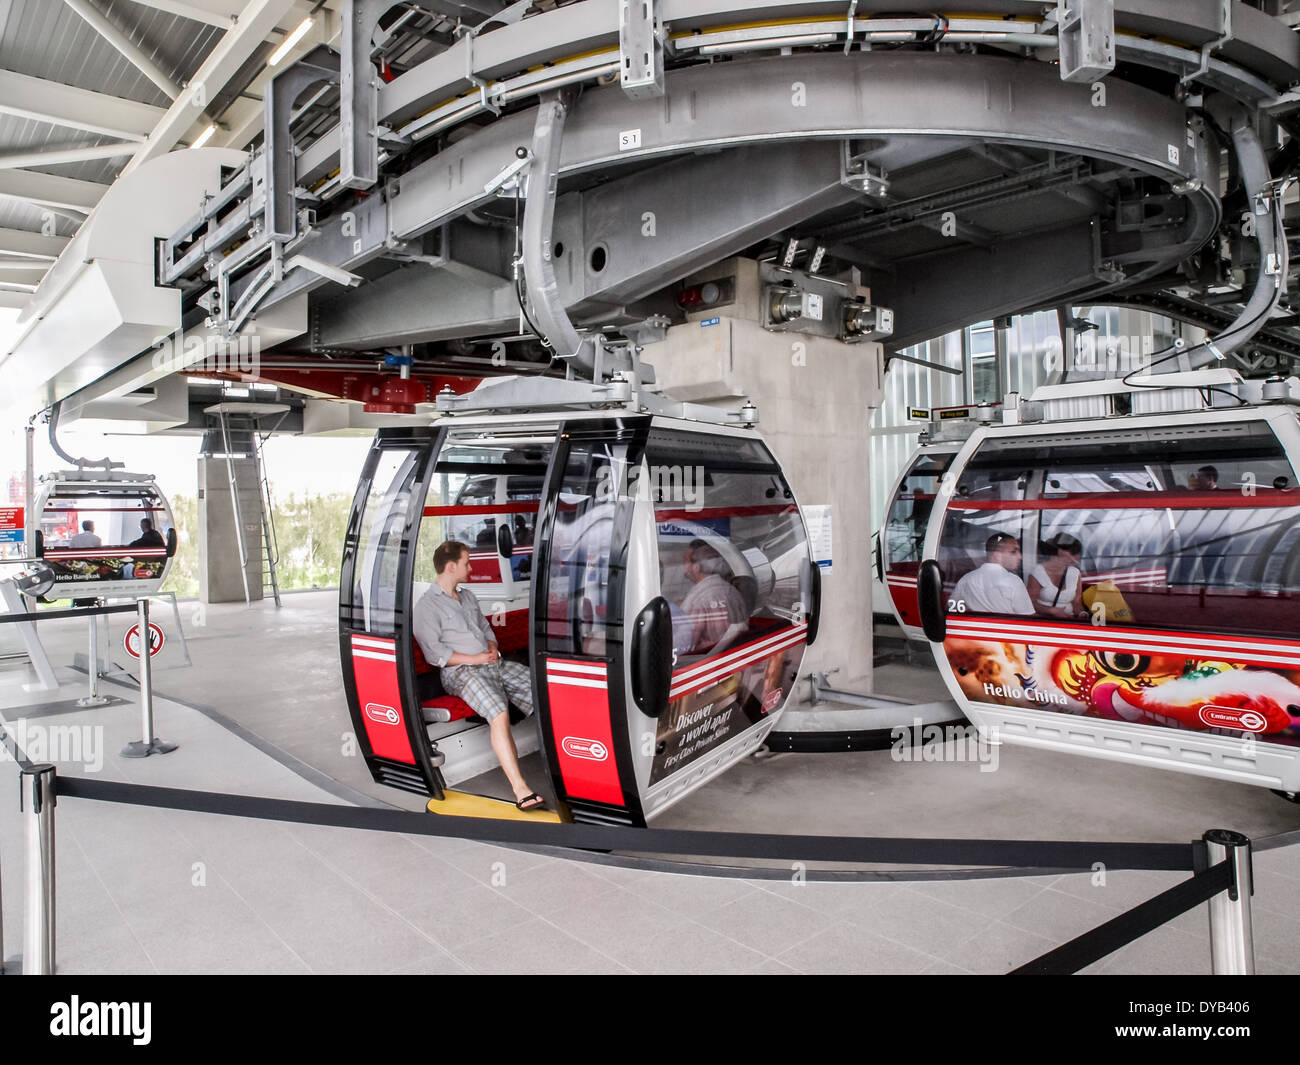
column 961, row 166
column 91, row 88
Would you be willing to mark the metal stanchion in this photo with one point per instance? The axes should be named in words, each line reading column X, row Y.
column 1232, row 940
column 150, row 744
column 38, row 800
column 2, row 921
column 92, row 668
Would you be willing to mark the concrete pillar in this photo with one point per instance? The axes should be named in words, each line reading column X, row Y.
column 815, row 396
column 219, row 557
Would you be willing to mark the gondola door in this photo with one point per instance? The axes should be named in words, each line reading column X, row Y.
column 375, row 603
column 902, row 538
column 579, row 592
column 673, row 612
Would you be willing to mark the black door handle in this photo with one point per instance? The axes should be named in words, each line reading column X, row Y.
column 652, row 657
column 929, row 594
column 814, row 600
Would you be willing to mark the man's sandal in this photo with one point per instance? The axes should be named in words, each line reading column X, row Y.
column 531, row 801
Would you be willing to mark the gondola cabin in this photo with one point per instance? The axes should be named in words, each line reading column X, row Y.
column 1127, row 587
column 580, row 528
column 104, row 533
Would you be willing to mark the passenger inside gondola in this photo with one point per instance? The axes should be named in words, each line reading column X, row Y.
column 87, row 537
column 455, row 638
column 714, row 607
column 995, row 588
column 149, row 536
column 1055, row 585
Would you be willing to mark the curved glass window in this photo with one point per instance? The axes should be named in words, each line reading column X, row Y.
column 732, row 551
column 1194, row 528
column 93, row 533
column 381, row 540
column 479, row 485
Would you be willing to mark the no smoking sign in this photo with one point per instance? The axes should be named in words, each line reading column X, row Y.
column 132, row 641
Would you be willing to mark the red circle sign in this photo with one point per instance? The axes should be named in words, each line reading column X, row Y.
column 132, row 641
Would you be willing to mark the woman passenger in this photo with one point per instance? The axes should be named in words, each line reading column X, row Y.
column 1055, row 587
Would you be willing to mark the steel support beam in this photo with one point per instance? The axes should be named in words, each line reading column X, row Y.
column 65, row 105
column 942, row 293
column 281, row 209
column 102, row 25
column 879, row 95
column 359, row 95
column 650, row 228
column 256, row 21
column 22, row 242
column 51, row 157
column 47, row 190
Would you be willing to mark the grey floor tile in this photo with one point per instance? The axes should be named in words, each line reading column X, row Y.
column 920, row 922
column 992, row 897
column 113, row 949
column 676, row 891
column 943, row 968
column 535, row 947
column 1162, row 952
column 851, row 949
column 998, row 948
column 485, row 861
column 466, row 912
column 544, row 889
column 683, row 947
column 766, row 922
column 772, row 967
column 1120, row 890
column 1057, row 915
column 359, row 939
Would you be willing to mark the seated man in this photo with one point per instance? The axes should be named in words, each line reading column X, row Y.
column 994, row 588
column 714, row 607
column 149, row 536
column 87, row 537
column 455, row 637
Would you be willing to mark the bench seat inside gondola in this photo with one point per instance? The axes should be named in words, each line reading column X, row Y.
column 432, row 694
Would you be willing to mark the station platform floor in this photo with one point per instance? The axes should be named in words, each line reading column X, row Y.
column 261, row 712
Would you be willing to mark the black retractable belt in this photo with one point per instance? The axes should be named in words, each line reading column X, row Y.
column 1029, row 854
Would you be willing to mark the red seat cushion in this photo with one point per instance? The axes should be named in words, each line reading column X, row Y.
column 453, row 704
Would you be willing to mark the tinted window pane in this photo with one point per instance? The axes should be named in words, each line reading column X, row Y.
column 732, row 552
column 581, row 615
column 478, row 486
column 379, row 549
column 1195, row 531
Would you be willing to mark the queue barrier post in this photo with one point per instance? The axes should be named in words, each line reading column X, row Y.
column 1232, row 941
column 93, row 698
column 38, row 802
column 149, row 744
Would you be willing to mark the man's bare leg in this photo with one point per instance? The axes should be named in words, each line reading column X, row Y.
column 503, row 745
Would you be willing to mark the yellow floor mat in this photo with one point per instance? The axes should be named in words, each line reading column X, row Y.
column 463, row 804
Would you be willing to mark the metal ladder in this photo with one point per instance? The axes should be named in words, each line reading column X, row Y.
column 270, row 543
column 270, row 546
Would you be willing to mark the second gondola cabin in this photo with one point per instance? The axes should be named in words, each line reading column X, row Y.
column 579, row 527
column 104, row 533
column 1126, row 585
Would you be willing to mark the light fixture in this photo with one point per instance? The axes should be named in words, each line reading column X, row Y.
column 205, row 136
column 299, row 32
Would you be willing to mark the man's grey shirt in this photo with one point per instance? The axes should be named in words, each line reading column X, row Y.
column 443, row 626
